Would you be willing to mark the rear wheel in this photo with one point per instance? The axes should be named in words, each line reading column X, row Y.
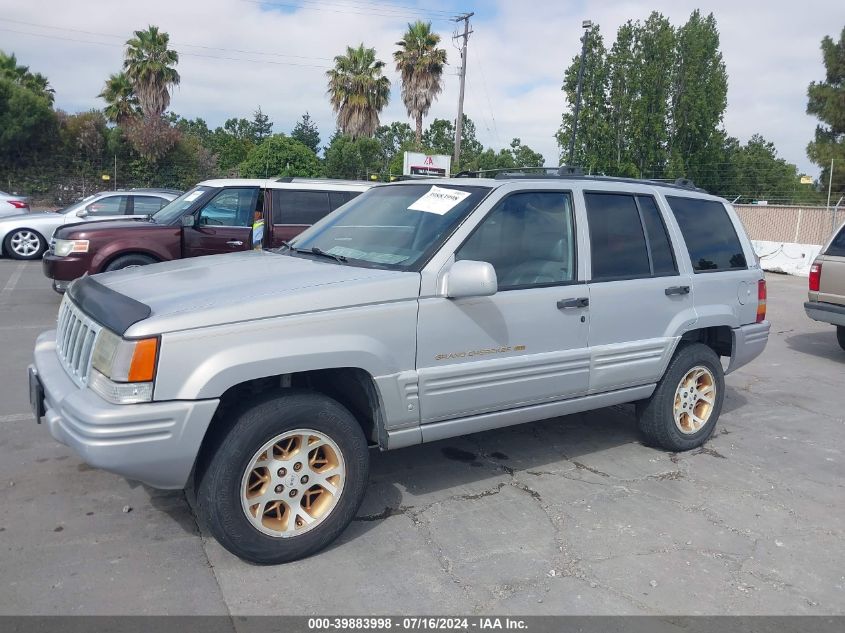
column 682, row 412
column 840, row 335
column 129, row 261
column 25, row 244
column 286, row 480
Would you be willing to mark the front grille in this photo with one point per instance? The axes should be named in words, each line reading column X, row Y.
column 76, row 334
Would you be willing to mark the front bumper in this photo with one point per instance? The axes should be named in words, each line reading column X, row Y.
column 825, row 312
column 155, row 443
column 64, row 269
column 747, row 343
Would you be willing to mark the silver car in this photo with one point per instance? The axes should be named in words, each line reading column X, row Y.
column 418, row 311
column 11, row 204
column 27, row 235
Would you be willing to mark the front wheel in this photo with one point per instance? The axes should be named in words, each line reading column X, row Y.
column 286, row 480
column 129, row 261
column 682, row 412
column 25, row 244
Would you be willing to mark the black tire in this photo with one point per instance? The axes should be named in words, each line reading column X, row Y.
column 656, row 414
column 31, row 236
column 223, row 465
column 127, row 261
column 840, row 335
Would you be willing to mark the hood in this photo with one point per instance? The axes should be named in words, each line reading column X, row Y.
column 92, row 227
column 219, row 289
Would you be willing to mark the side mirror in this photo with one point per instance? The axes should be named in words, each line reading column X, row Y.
column 467, row 278
column 189, row 220
column 82, row 213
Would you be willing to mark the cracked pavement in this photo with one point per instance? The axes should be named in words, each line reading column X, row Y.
column 566, row 516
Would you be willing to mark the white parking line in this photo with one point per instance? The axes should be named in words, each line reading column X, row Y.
column 16, row 417
column 14, row 278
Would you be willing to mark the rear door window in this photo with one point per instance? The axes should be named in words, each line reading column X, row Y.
column 617, row 241
column 662, row 259
column 711, row 238
column 300, row 207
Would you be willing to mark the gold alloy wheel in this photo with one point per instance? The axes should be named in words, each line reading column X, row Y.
column 694, row 400
column 292, row 483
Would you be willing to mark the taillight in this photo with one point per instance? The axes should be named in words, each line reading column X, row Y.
column 18, row 204
column 815, row 277
column 761, row 301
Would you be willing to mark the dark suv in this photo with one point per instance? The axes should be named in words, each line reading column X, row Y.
column 216, row 216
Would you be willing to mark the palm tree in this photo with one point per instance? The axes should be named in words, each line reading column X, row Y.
column 149, row 65
column 357, row 91
column 21, row 75
column 420, row 63
column 121, row 102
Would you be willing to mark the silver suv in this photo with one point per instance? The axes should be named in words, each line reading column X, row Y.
column 418, row 311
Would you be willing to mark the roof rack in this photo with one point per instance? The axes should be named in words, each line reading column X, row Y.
column 573, row 172
column 330, row 181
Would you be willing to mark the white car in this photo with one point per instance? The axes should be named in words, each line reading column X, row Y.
column 12, row 205
column 27, row 235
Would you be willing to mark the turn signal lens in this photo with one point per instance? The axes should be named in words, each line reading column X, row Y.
column 815, row 277
column 143, row 365
column 761, row 301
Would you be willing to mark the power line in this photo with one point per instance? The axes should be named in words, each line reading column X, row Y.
column 233, row 59
column 175, row 43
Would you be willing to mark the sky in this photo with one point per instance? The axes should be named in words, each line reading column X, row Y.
column 237, row 55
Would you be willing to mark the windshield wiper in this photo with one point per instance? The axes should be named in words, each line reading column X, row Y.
column 321, row 253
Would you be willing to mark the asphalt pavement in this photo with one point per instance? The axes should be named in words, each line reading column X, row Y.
column 566, row 516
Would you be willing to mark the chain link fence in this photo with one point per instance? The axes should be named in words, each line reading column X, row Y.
column 793, row 224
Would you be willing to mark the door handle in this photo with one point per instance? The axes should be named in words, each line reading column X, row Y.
column 580, row 302
column 677, row 290
column 235, row 243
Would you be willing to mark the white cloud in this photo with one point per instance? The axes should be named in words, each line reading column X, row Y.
column 517, row 56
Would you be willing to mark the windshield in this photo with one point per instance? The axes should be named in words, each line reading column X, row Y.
column 394, row 226
column 77, row 205
column 172, row 211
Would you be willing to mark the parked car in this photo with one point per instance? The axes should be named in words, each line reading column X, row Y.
column 12, row 205
column 27, row 235
column 216, row 216
column 826, row 298
column 419, row 311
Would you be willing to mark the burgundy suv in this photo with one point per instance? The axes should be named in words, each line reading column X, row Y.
column 216, row 216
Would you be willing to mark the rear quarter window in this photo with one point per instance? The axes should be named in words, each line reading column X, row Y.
column 711, row 238
column 837, row 246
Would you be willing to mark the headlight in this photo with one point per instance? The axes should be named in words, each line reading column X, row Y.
column 124, row 370
column 63, row 248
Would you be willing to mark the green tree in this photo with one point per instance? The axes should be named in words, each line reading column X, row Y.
column 280, row 155
column 524, row 156
column 698, row 100
column 622, row 92
column 22, row 76
column 395, row 139
column 357, row 91
column 27, row 124
column 655, row 56
column 420, row 64
column 150, row 66
column 305, row 131
column 439, row 138
column 591, row 142
column 826, row 102
column 352, row 159
column 262, row 126
column 121, row 101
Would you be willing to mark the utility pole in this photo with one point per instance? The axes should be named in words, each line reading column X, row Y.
column 586, row 25
column 459, row 123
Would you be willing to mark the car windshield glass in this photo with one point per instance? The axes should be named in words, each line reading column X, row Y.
column 394, row 226
column 77, row 205
column 172, row 211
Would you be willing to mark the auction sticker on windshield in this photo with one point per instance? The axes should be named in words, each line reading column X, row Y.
column 439, row 200
column 193, row 195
